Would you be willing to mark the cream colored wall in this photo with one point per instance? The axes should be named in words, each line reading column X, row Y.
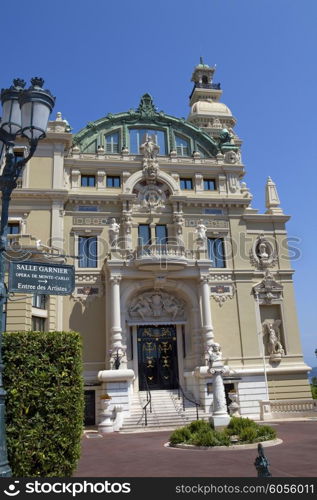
column 88, row 319
column 292, row 386
column 19, row 313
column 40, row 173
column 226, row 329
column 39, row 225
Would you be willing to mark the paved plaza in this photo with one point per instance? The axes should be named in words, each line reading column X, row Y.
column 144, row 455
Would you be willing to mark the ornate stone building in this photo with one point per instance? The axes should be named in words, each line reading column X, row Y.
column 172, row 259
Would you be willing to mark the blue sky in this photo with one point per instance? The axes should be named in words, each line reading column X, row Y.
column 101, row 56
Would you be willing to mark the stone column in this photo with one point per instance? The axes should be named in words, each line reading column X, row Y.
column 207, row 328
column 116, row 330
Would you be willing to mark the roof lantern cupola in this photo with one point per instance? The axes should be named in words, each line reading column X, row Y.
column 207, row 111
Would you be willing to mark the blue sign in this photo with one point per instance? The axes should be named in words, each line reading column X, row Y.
column 41, row 278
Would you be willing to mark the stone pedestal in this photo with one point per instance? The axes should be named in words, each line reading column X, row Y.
column 118, row 384
column 220, row 417
column 106, row 425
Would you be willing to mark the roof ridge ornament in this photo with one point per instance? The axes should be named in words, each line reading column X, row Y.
column 146, row 107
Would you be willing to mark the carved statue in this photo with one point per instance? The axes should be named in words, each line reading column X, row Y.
column 201, row 230
column 149, row 148
column 215, row 353
column 114, row 229
column 272, row 332
column 179, row 222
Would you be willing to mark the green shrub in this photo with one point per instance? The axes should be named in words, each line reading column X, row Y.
column 314, row 391
column 201, row 433
column 180, row 435
column 265, row 433
column 44, row 406
column 199, row 425
column 238, row 424
column 248, row 435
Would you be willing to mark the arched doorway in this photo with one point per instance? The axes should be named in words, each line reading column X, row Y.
column 157, row 317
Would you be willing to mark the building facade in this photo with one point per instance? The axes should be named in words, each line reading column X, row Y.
column 170, row 257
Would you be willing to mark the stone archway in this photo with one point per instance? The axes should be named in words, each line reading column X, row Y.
column 172, row 305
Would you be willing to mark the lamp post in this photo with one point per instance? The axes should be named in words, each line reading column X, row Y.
column 116, row 355
column 25, row 113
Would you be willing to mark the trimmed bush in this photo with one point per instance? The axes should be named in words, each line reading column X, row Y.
column 202, row 433
column 45, row 401
column 180, row 435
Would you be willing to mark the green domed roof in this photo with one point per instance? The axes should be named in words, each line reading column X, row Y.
column 145, row 116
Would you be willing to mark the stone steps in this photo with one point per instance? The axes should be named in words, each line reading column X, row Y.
column 167, row 412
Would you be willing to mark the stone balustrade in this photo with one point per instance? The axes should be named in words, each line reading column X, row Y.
column 288, row 408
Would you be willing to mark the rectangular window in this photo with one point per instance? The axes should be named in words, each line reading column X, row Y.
column 113, row 181
column 38, row 324
column 87, row 251
column 144, row 234
column 87, row 208
column 39, row 301
column 186, row 183
column 161, row 234
column 182, row 146
column 216, row 252
column 13, row 228
column 138, row 137
column 209, row 185
column 112, row 143
column 213, row 211
column 88, row 181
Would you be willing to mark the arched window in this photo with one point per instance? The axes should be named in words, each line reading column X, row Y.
column 138, row 137
column 112, row 143
column 182, row 146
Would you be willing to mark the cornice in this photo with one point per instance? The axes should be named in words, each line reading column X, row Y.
column 266, row 217
column 51, row 194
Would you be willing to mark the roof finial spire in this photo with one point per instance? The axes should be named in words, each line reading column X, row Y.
column 201, row 60
column 272, row 200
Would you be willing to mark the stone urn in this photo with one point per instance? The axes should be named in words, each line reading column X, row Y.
column 106, row 424
column 234, row 406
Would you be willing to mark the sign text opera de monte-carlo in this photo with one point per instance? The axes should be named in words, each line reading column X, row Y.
column 40, row 278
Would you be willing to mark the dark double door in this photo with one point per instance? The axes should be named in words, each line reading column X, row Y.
column 157, row 357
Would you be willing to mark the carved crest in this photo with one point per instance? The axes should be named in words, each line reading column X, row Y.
column 268, row 290
column 146, row 107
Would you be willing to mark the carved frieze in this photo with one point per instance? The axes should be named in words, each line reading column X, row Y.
column 156, row 305
column 91, row 220
column 209, row 223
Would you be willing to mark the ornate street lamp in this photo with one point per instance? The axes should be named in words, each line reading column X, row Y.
column 24, row 113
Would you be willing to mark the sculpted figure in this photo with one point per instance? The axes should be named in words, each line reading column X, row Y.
column 274, row 345
column 201, row 230
column 141, row 307
column 263, row 254
column 114, row 229
column 215, row 353
column 149, row 148
column 170, row 306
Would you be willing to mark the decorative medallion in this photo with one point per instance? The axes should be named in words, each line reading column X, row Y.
column 262, row 253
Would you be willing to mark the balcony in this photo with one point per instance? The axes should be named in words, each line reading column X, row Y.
column 167, row 256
